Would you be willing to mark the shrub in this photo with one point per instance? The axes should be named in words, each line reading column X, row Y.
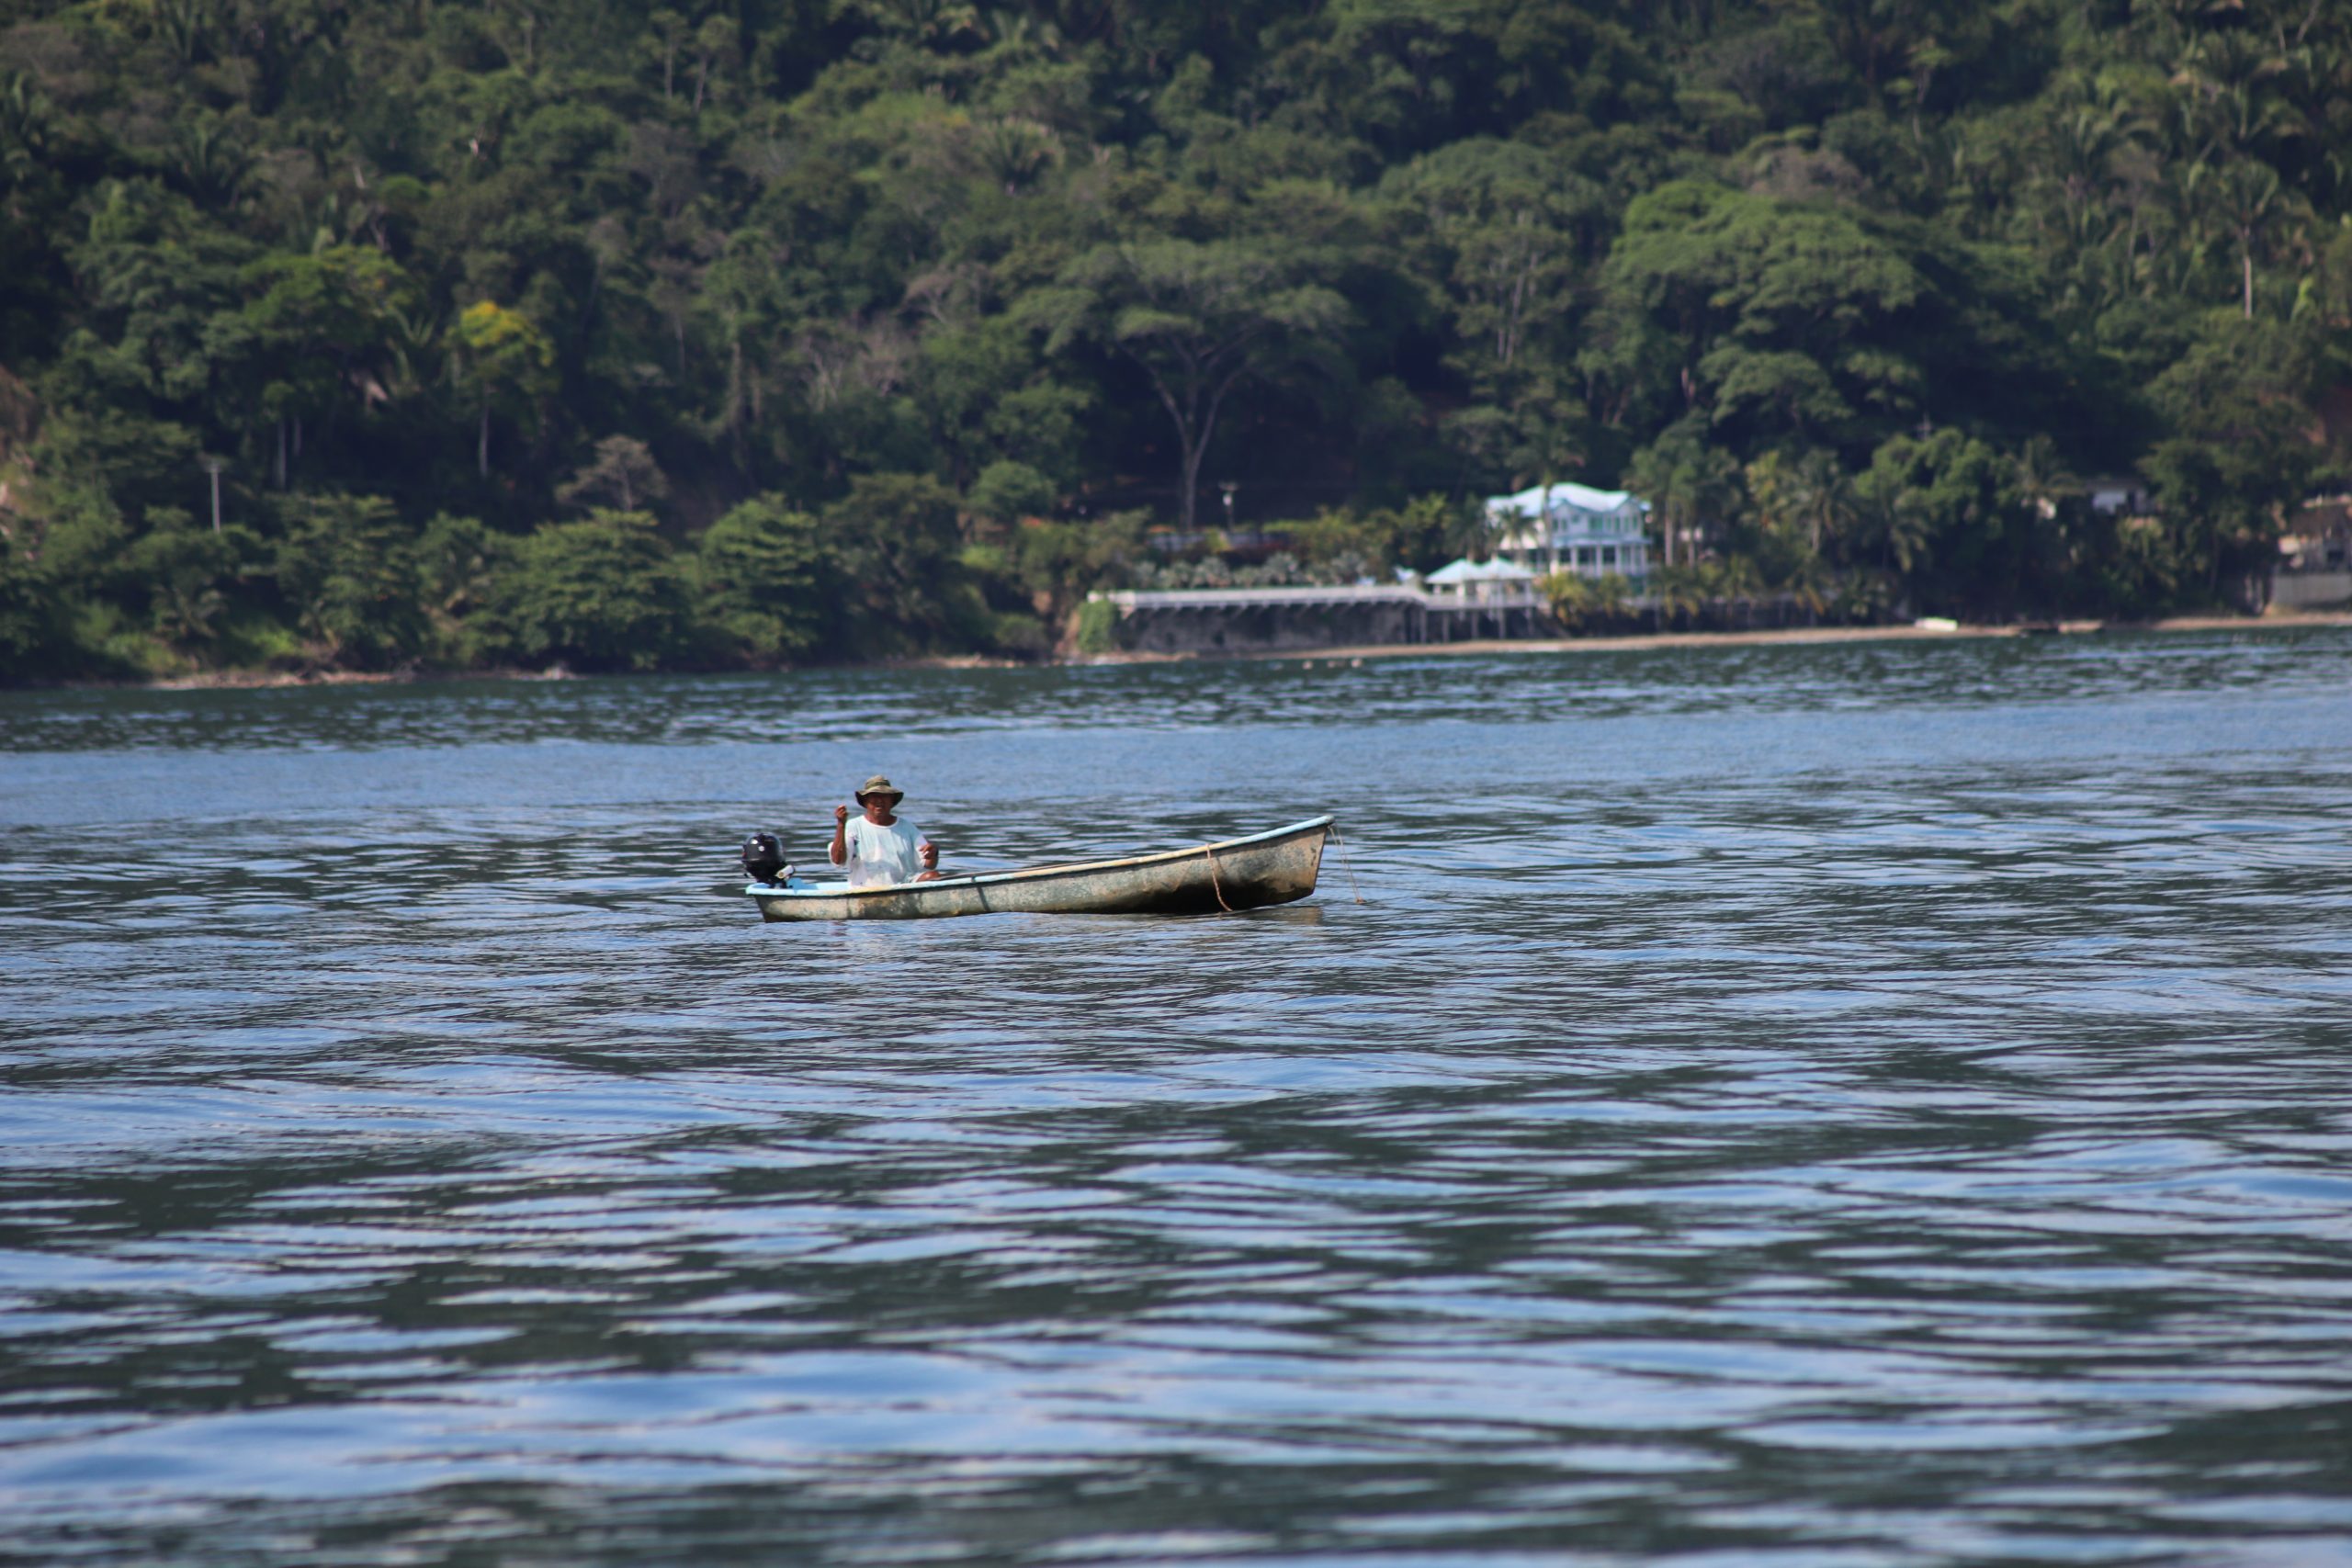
column 1097, row 630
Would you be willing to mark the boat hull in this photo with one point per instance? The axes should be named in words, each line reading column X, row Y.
column 1276, row 867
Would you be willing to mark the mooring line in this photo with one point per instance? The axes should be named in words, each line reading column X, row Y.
column 1208, row 852
column 1346, row 863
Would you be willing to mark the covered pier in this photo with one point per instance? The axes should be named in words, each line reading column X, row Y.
column 1208, row 620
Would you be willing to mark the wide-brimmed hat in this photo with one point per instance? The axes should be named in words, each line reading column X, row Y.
column 877, row 784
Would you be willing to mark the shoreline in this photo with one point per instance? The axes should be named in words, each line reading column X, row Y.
column 280, row 680
column 272, row 680
column 1802, row 636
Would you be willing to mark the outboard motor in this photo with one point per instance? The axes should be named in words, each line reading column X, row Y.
column 764, row 860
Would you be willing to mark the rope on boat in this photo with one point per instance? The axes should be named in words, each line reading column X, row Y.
column 1208, row 852
column 1346, row 863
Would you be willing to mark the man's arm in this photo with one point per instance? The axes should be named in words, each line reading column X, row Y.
column 840, row 851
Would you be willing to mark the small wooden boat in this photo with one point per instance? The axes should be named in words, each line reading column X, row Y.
column 1274, row 867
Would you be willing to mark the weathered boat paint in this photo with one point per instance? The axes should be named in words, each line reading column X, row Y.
column 1274, row 867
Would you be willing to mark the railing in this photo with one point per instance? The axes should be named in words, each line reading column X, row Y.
column 1298, row 593
column 1516, row 598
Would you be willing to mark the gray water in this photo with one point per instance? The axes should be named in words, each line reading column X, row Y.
column 1867, row 1104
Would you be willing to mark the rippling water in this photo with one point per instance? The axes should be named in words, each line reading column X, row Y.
column 1866, row 1104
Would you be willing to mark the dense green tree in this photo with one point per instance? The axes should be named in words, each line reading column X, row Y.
column 1948, row 510
column 2238, row 454
column 319, row 337
column 181, row 571
column 622, row 472
column 1196, row 318
column 351, row 567
column 1853, row 291
column 765, row 584
column 458, row 563
column 896, row 538
column 1778, row 320
column 503, row 360
column 603, row 593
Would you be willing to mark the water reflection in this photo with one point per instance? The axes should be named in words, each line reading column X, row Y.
column 1835, row 1114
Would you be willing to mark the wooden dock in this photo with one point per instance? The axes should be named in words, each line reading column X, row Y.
column 1389, row 612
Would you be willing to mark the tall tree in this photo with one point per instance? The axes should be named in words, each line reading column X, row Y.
column 501, row 358
column 1688, row 484
column 1197, row 318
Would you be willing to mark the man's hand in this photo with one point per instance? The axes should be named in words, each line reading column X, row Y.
column 840, row 814
column 930, row 852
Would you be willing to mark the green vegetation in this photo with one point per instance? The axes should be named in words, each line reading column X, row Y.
column 762, row 331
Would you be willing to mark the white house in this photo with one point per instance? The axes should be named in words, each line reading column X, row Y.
column 1572, row 528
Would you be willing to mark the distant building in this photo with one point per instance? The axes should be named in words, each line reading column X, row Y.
column 1572, row 528
column 2314, row 569
column 2319, row 535
column 2119, row 496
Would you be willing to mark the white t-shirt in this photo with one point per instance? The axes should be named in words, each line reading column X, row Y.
column 879, row 854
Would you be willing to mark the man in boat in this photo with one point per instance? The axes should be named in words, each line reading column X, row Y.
column 881, row 847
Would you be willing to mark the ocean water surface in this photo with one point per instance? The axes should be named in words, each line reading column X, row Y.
column 1857, row 1104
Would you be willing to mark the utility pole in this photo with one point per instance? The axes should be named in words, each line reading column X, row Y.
column 213, row 466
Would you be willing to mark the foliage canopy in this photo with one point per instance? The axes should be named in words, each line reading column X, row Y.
column 749, row 331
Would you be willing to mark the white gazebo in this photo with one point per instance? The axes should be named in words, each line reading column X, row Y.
column 1572, row 528
column 1482, row 582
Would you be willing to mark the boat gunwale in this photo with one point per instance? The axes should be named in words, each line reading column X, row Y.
column 1039, row 873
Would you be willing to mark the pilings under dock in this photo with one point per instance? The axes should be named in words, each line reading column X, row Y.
column 1218, row 620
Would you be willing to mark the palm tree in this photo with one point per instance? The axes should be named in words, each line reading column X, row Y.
column 2043, row 474
column 2253, row 201
column 1890, row 524
column 1686, row 481
column 1823, row 496
column 2087, row 140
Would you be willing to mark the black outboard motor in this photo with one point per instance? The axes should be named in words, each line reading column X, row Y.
column 764, row 860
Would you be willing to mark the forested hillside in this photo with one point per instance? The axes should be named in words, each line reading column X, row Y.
column 724, row 335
